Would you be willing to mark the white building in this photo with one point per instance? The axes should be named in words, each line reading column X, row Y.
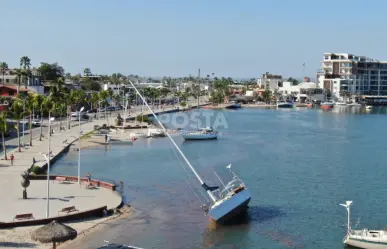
column 304, row 91
column 348, row 74
column 269, row 81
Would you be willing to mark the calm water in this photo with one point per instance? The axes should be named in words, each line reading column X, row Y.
column 299, row 165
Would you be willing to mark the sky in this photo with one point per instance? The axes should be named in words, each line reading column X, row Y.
column 230, row 38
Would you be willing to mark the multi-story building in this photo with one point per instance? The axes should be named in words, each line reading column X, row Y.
column 351, row 75
column 34, row 82
column 303, row 92
column 269, row 81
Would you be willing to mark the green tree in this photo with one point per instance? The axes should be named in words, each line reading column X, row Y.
column 38, row 105
column 3, row 69
column 3, row 130
column 87, row 72
column 266, row 95
column 17, row 114
column 50, row 72
column 29, row 109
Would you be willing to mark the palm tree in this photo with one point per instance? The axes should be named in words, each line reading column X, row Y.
column 29, row 107
column 38, row 104
column 3, row 68
column 3, row 129
column 19, row 73
column 25, row 64
column 17, row 114
column 94, row 100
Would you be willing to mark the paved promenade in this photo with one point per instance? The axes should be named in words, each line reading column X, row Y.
column 61, row 195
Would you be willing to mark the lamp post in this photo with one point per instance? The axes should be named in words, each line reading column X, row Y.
column 79, row 150
column 24, row 109
column 47, row 157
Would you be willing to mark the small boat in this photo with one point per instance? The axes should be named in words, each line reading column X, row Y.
column 137, row 134
column 234, row 105
column 368, row 107
column 200, row 134
column 109, row 245
column 283, row 104
column 120, row 140
column 152, row 132
column 341, row 103
column 354, row 104
column 327, row 105
column 364, row 238
column 309, row 105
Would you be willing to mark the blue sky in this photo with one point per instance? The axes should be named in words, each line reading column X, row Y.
column 175, row 37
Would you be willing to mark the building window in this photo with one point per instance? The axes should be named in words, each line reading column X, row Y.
column 7, row 80
column 11, row 93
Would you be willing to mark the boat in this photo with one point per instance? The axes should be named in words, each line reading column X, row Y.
column 283, row 104
column 368, row 107
column 115, row 140
column 109, row 245
column 154, row 132
column 354, row 104
column 234, row 105
column 200, row 133
column 327, row 105
column 339, row 103
column 230, row 201
column 137, row 134
column 364, row 238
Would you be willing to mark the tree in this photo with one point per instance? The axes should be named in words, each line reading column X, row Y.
column 38, row 104
column 17, row 114
column 25, row 64
column 266, row 95
column 3, row 68
column 29, row 109
column 87, row 72
column 3, row 129
column 294, row 81
column 50, row 72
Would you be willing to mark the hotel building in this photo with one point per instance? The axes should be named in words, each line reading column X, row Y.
column 351, row 75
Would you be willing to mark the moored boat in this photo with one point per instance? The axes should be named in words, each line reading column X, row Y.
column 200, row 134
column 368, row 107
column 234, row 105
column 327, row 105
column 364, row 238
column 283, row 104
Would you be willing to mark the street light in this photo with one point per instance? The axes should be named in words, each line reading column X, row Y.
column 47, row 157
column 79, row 150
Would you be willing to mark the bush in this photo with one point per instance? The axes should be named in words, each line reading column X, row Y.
column 144, row 119
column 36, row 170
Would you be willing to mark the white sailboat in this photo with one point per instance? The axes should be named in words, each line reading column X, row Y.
column 200, row 133
column 366, row 239
column 232, row 200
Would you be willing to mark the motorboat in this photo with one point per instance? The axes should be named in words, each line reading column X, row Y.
column 224, row 203
column 117, row 140
column 154, row 132
column 137, row 134
column 234, row 105
column 339, row 103
column 283, row 104
column 200, row 134
column 327, row 105
column 364, row 238
column 368, row 107
column 354, row 104
column 109, row 245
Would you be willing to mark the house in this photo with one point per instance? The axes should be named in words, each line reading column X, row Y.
column 8, row 91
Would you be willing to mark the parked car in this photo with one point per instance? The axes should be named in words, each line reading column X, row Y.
column 35, row 122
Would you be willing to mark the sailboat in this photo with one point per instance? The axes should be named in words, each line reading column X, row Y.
column 232, row 200
column 369, row 239
column 141, row 133
column 200, row 133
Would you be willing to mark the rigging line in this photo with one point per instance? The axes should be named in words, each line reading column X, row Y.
column 208, row 190
column 187, row 181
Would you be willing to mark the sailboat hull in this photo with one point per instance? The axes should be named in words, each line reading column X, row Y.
column 362, row 243
column 230, row 208
column 199, row 135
